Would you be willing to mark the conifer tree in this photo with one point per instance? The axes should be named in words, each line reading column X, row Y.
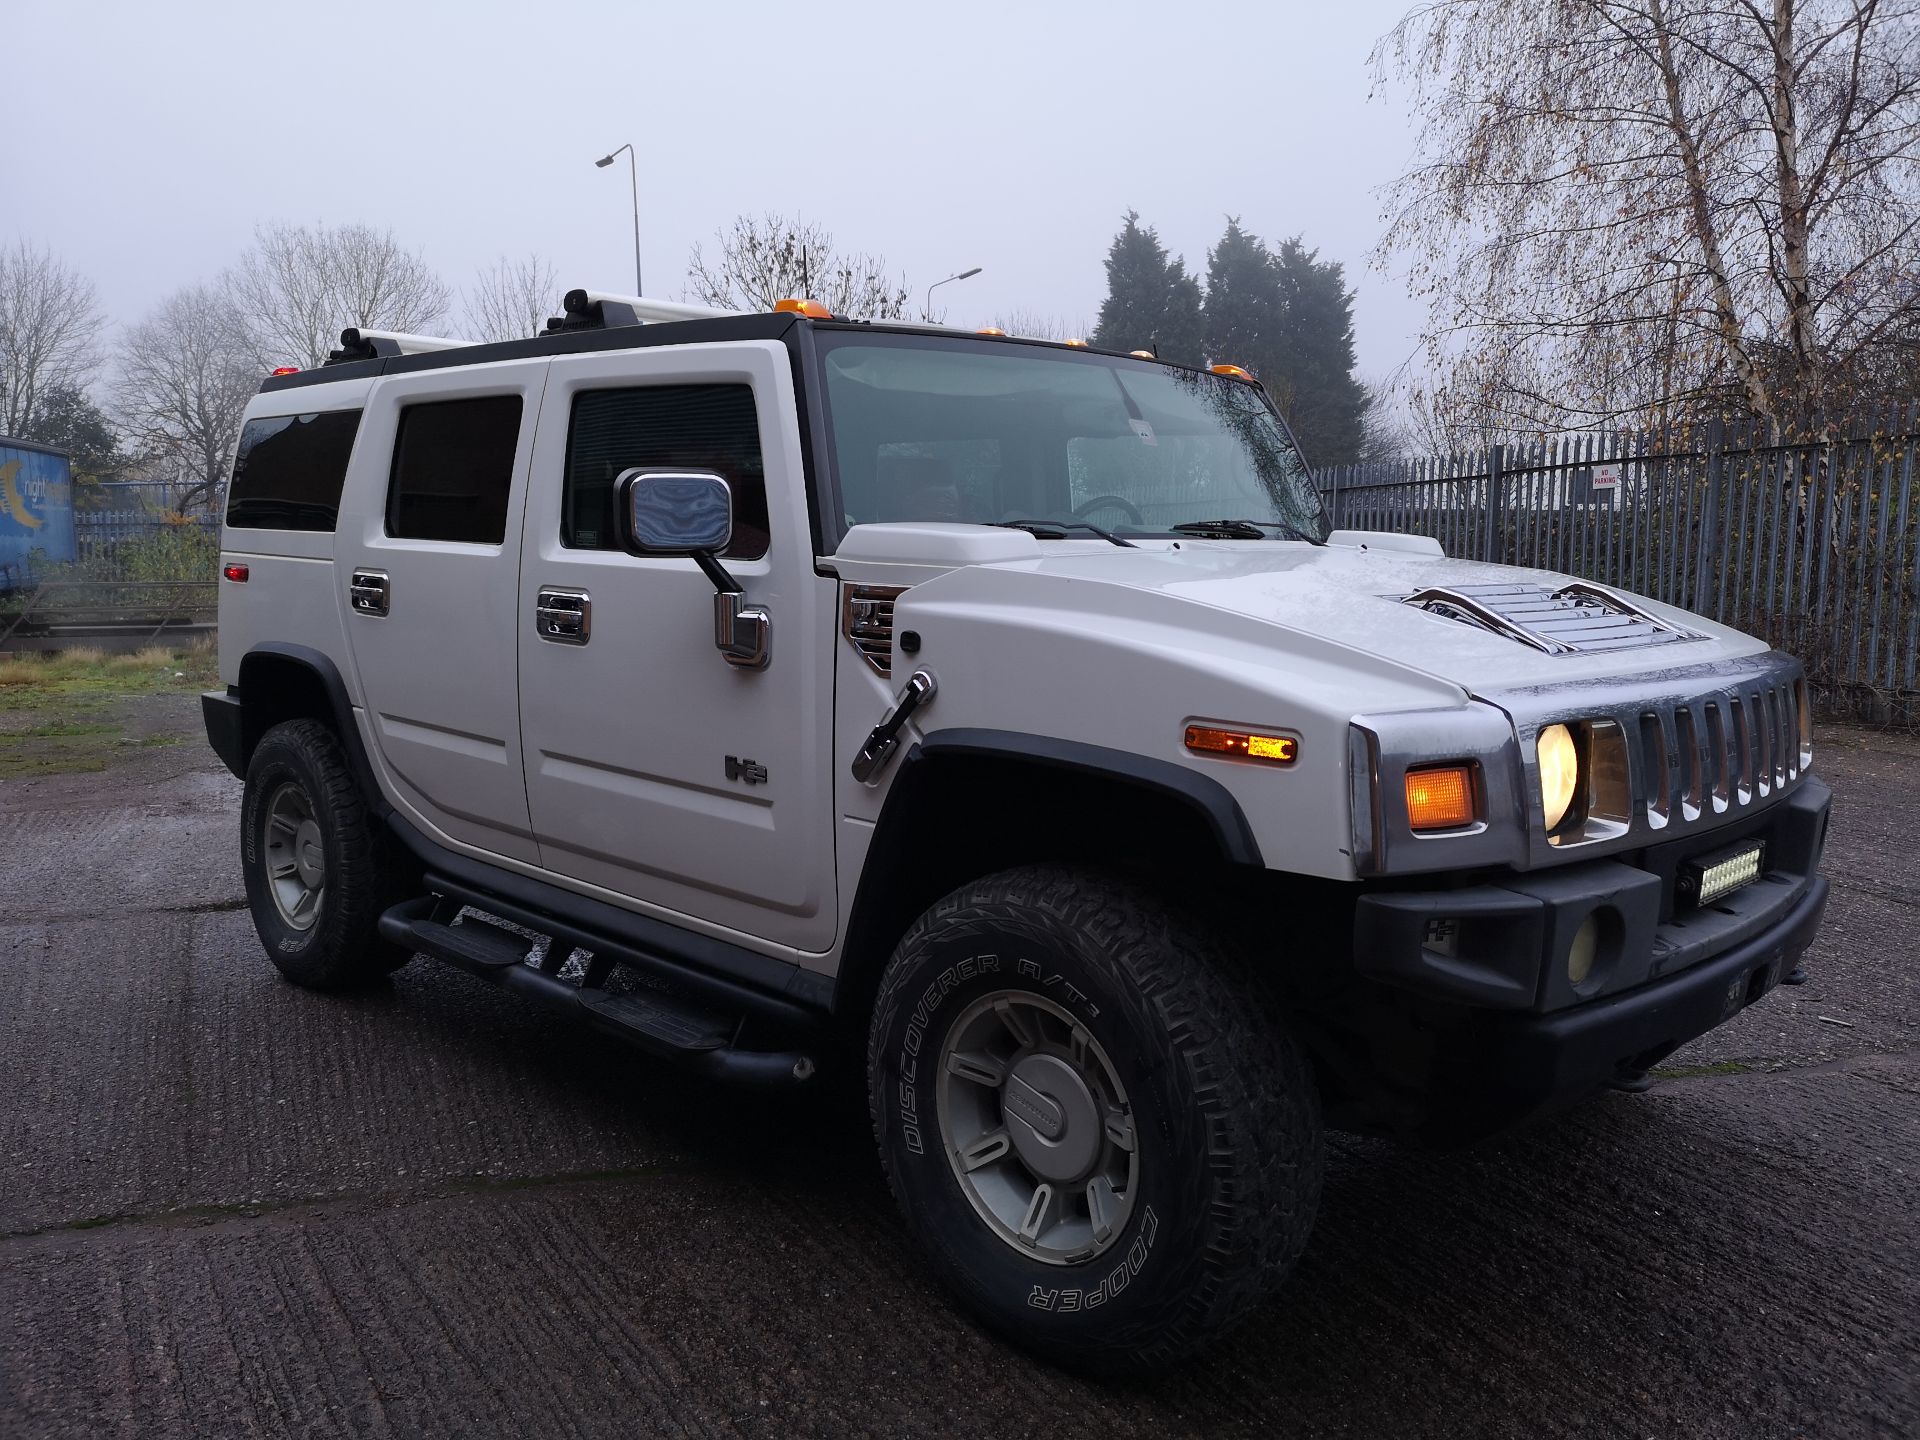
column 1311, row 364
column 1152, row 302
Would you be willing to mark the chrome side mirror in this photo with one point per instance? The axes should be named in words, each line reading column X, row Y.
column 673, row 512
column 690, row 512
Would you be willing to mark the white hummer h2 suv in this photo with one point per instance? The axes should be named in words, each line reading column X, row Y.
column 774, row 690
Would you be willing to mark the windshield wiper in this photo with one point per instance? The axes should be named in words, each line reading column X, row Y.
column 1243, row 530
column 1057, row 530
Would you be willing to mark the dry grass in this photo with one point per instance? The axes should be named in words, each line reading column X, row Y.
column 88, row 669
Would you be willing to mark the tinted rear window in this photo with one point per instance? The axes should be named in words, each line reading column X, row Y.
column 288, row 471
column 452, row 469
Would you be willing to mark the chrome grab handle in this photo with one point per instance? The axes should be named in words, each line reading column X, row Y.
column 563, row 616
column 884, row 738
column 371, row 592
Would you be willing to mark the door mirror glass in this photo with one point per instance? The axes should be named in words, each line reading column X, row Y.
column 673, row 512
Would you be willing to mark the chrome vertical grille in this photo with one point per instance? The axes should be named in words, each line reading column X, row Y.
column 1720, row 753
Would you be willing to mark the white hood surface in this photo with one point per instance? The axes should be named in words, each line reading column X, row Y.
column 1345, row 595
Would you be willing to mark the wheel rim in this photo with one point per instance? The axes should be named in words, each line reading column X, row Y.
column 296, row 857
column 1037, row 1127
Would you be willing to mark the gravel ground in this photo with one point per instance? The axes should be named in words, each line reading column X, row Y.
column 229, row 1207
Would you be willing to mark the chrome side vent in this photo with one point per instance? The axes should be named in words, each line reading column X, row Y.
column 866, row 619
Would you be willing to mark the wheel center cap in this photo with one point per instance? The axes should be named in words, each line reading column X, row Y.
column 309, row 854
column 1051, row 1117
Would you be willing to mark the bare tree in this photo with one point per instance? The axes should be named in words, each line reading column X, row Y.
column 1036, row 326
column 49, row 331
column 186, row 374
column 511, row 300
column 300, row 286
column 772, row 258
column 1624, row 205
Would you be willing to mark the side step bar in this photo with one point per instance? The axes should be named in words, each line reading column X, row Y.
column 693, row 1036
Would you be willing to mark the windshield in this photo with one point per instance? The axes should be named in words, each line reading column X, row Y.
column 989, row 433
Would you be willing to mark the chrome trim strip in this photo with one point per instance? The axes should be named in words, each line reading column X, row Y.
column 1614, row 600
column 1492, row 619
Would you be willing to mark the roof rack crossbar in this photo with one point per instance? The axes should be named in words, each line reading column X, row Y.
column 597, row 310
column 361, row 344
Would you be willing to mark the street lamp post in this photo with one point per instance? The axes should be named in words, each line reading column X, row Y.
column 927, row 314
column 633, row 180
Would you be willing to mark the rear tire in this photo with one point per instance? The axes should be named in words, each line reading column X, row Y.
column 320, row 869
column 1052, row 1029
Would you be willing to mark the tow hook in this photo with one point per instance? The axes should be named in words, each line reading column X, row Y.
column 884, row 738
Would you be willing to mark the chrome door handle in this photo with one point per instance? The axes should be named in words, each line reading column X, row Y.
column 884, row 738
column 372, row 592
column 563, row 616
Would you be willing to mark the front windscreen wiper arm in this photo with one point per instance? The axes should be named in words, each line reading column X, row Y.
column 1243, row 530
column 1058, row 529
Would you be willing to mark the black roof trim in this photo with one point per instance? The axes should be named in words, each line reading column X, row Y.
column 567, row 342
column 661, row 332
column 9, row 443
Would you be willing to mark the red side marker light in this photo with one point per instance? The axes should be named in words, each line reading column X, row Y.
column 286, row 370
column 236, row 573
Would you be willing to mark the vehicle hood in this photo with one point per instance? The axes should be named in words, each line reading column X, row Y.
column 1353, row 596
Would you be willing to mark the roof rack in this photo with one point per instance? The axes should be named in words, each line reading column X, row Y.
column 357, row 344
column 596, row 310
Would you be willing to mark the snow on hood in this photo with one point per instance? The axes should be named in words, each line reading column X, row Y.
column 1352, row 596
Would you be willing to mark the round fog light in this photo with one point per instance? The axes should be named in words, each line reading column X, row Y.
column 1580, row 954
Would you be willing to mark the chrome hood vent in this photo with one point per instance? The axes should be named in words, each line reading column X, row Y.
column 1579, row 618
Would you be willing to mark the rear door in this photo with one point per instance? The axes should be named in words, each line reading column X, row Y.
column 656, row 770
column 428, row 560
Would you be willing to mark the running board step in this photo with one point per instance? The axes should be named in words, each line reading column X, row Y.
column 692, row 1036
column 472, row 944
column 660, row 1017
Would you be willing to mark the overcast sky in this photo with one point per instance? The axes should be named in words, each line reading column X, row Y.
column 142, row 142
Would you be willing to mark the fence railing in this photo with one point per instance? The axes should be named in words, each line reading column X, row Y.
column 1814, row 547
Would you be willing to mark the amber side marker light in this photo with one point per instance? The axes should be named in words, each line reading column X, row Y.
column 812, row 309
column 1275, row 749
column 1440, row 797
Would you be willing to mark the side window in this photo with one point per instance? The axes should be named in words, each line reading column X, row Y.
column 452, row 469
column 288, row 470
column 665, row 427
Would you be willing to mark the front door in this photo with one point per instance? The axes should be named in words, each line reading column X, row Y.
column 687, row 787
column 427, row 556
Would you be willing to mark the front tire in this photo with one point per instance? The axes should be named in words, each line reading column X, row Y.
column 320, row 869
column 1109, row 1148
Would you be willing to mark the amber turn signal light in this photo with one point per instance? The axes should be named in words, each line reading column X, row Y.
column 1276, row 749
column 1440, row 797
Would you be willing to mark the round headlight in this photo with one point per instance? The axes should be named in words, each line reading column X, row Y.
column 1559, row 772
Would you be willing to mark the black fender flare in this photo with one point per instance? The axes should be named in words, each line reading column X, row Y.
column 255, row 710
column 1210, row 802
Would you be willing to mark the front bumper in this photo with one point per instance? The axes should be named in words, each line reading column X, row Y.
column 1516, row 1036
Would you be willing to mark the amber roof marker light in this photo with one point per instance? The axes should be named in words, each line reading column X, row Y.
column 812, row 309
